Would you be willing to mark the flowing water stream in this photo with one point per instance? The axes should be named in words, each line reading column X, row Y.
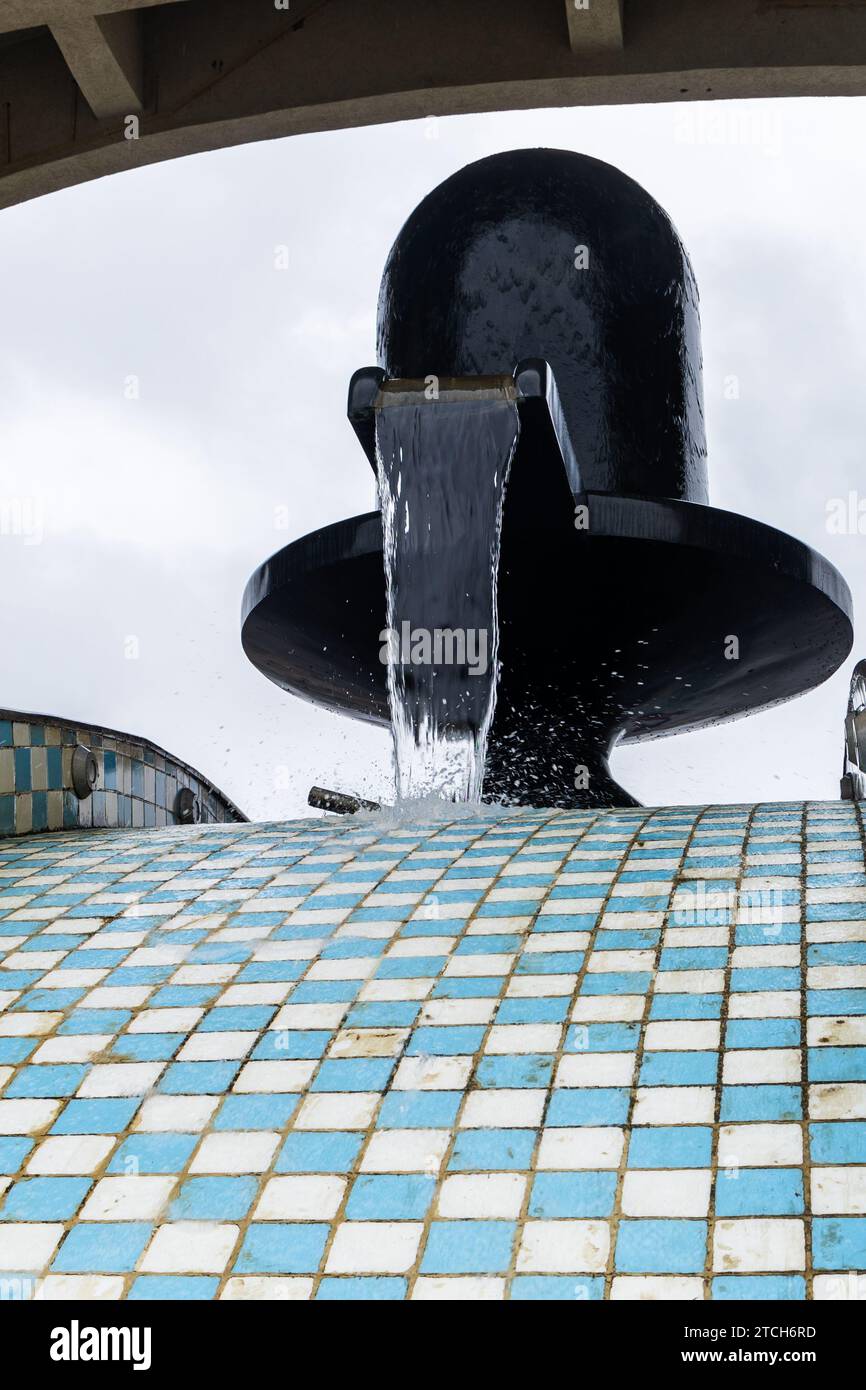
column 442, row 470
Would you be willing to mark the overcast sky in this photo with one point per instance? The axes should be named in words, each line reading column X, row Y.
column 148, row 514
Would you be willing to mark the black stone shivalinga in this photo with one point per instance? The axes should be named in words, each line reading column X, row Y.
column 629, row 608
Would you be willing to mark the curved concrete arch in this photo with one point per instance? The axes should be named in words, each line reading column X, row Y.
column 92, row 87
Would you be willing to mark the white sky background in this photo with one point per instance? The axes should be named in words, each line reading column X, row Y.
column 155, row 511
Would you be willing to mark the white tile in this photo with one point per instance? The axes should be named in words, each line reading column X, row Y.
column 837, row 1101
column 596, row 1069
column 303, row 1016
column 190, row 1247
column 836, row 1032
column 463, row 1288
column 27, row 1116
column 128, row 1198
column 512, row 1038
column 847, row 1287
column 674, row 1105
column 773, row 1003
column 518, row 1109
column 683, row 1192
column 589, row 1147
column 540, row 986
column 682, row 1035
column 839, row 1191
column 305, row 1197
column 609, row 1008
column 120, row 1079
column 273, row 1288
column 455, row 1012
column 276, row 1077
column 165, row 1020
column 406, row 1151
column 383, row 991
column 836, row 976
column 760, row 1146
column 67, row 1155
column 602, row 962
column 64, row 1288
column 467, row 967
column 648, row 1288
column 494, row 1196
column 374, row 1247
column 163, row 1114
column 82, row 1047
column 432, row 1074
column 761, row 1066
column 564, row 1247
column 26, row 1245
column 758, row 1244
column 368, row 1042
column 235, row 1151
column 212, row 1047
column 337, row 1110
column 28, row 1025
column 690, row 982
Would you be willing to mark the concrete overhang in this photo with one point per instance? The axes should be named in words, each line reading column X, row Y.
column 92, row 87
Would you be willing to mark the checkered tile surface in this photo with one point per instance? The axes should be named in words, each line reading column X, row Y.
column 537, row 1055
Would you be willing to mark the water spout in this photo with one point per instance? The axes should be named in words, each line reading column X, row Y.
column 442, row 468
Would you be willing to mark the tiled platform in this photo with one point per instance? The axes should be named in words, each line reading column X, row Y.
column 554, row 1055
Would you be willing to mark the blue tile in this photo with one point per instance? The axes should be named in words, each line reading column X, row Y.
column 278, row 1248
column 153, row 1153
column 390, row 1197
column 762, row 1032
column 354, row 1074
column 761, row 1103
column 839, row 1242
column 679, row 1069
column 445, row 1041
column 96, row 1116
column 596, row 1105
column 488, row 1150
column 837, row 1064
column 755, row 1287
column 256, row 1111
column 670, row 1146
column 468, row 1247
column 419, row 1109
column 533, row 1070
column 214, row 1199
column 198, row 1078
column 13, row 1151
column 759, row 1192
column 44, row 1199
column 103, row 1247
column 661, row 1247
column 838, row 1141
column 589, row 1194
column 327, row 1151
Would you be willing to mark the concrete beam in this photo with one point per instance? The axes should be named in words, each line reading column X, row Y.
column 27, row 14
column 104, row 53
column 224, row 72
column 594, row 24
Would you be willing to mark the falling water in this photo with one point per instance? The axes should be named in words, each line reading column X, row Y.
column 442, row 468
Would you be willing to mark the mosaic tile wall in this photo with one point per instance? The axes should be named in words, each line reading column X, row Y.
column 137, row 787
column 554, row 1055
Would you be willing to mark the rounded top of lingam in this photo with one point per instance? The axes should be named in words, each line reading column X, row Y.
column 553, row 254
